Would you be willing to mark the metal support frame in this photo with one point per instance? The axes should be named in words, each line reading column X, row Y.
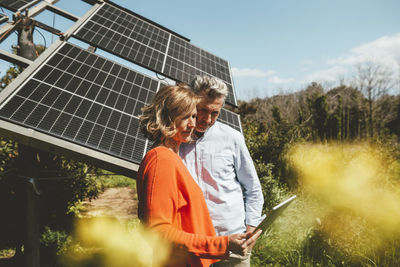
column 47, row 28
column 15, row 59
column 27, row 159
column 92, row 2
column 28, row 5
column 32, row 242
column 82, row 20
column 62, row 12
column 3, row 18
column 7, row 29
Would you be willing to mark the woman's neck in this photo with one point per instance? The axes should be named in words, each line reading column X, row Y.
column 171, row 144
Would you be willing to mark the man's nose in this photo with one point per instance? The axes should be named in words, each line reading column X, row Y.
column 207, row 118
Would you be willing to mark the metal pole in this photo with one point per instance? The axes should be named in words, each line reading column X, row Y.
column 32, row 243
column 28, row 168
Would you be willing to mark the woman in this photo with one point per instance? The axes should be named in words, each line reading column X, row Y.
column 170, row 201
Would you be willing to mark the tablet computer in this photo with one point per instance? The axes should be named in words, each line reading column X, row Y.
column 273, row 214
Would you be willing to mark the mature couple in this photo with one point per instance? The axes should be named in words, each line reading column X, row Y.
column 198, row 187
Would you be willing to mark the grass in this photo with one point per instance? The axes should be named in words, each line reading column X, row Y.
column 7, row 253
column 303, row 236
column 110, row 180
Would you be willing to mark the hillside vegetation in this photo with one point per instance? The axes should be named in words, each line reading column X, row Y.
column 338, row 150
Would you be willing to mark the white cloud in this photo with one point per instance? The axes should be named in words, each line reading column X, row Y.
column 385, row 51
column 333, row 74
column 277, row 80
column 256, row 73
column 251, row 72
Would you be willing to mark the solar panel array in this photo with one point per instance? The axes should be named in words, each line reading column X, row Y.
column 14, row 5
column 230, row 118
column 129, row 36
column 185, row 60
column 84, row 98
column 81, row 97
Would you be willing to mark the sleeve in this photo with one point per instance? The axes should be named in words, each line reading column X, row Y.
column 162, row 202
column 248, row 178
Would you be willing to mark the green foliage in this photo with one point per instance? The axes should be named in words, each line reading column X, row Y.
column 109, row 180
column 267, row 146
column 319, row 108
column 13, row 71
column 54, row 242
column 273, row 191
column 63, row 183
column 7, row 253
column 10, row 75
column 301, row 237
column 393, row 124
column 53, row 245
column 8, row 153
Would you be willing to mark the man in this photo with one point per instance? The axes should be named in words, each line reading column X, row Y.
column 219, row 161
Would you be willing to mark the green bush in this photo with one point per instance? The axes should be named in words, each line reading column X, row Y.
column 53, row 243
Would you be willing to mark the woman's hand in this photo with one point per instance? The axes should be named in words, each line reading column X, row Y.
column 242, row 243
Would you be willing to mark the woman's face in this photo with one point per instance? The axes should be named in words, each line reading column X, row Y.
column 185, row 127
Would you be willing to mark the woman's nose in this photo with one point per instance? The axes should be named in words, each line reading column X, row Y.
column 192, row 123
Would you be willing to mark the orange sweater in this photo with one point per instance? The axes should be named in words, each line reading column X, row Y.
column 172, row 203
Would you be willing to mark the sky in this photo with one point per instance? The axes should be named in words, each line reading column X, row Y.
column 274, row 47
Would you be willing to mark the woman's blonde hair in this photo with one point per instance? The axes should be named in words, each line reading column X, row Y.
column 170, row 103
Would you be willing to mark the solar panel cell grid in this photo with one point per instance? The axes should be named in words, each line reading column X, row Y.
column 230, row 118
column 14, row 5
column 66, row 98
column 125, row 34
column 116, row 31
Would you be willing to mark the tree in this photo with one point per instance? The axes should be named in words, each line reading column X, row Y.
column 346, row 107
column 373, row 80
column 319, row 109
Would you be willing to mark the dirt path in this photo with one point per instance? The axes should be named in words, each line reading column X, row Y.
column 120, row 202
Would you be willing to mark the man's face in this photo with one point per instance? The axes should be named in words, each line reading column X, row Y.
column 207, row 113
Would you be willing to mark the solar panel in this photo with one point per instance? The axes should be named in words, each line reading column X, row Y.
column 115, row 31
column 230, row 118
column 84, row 98
column 185, row 60
column 14, row 5
column 152, row 46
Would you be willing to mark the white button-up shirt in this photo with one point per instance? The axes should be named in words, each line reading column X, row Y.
column 220, row 163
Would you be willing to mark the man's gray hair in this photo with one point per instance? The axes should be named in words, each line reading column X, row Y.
column 210, row 86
